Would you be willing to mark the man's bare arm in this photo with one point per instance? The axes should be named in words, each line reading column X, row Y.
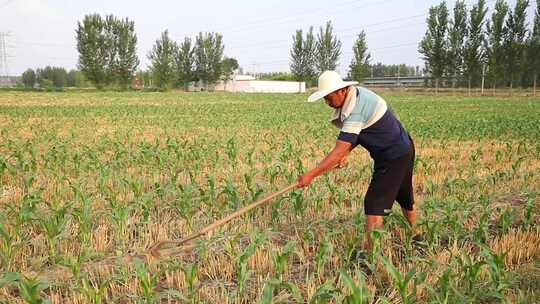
column 340, row 151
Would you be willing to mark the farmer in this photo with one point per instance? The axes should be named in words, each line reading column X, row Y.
column 364, row 119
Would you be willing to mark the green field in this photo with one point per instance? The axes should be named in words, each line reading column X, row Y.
column 88, row 179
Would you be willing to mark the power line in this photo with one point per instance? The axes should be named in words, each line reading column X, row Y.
column 294, row 18
column 4, row 70
column 369, row 35
column 341, row 32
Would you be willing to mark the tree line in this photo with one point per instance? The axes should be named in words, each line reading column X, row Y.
column 465, row 47
column 310, row 55
column 176, row 64
column 51, row 77
column 107, row 49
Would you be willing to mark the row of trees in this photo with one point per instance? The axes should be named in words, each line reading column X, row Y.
column 382, row 70
column 176, row 64
column 312, row 55
column 107, row 50
column 468, row 46
column 52, row 77
column 108, row 55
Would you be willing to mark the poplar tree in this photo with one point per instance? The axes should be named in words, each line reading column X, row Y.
column 184, row 62
column 457, row 33
column 497, row 31
column 475, row 46
column 208, row 56
column 29, row 78
column 94, row 49
column 328, row 49
column 433, row 46
column 359, row 67
column 534, row 46
column 303, row 53
column 107, row 50
column 124, row 57
column 514, row 43
column 162, row 61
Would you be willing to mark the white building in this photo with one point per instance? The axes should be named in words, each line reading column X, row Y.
column 249, row 84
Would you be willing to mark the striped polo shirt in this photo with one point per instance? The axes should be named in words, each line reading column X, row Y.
column 367, row 121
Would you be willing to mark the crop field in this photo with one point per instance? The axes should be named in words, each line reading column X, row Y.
column 89, row 181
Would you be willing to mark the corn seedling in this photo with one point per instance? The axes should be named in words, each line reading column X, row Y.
column 359, row 294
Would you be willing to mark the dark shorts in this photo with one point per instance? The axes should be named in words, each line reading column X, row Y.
column 391, row 181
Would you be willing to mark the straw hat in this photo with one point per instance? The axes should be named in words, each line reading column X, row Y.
column 329, row 81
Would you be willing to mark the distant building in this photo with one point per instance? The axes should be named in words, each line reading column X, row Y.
column 249, row 84
column 407, row 81
column 7, row 81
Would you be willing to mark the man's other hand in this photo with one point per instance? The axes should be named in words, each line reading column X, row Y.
column 305, row 180
column 343, row 162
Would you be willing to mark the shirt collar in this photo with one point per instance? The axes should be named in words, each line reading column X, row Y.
column 340, row 114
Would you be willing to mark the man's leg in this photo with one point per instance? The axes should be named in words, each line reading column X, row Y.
column 410, row 215
column 372, row 222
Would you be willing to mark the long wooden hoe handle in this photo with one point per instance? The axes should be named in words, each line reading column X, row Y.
column 157, row 246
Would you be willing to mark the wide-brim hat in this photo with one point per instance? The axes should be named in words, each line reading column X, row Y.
column 329, row 81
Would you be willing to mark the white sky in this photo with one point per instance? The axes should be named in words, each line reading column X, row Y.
column 257, row 33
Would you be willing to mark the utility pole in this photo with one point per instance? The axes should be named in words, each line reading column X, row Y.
column 4, row 70
column 483, row 77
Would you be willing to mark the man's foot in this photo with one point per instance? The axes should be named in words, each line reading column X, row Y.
column 418, row 239
column 419, row 243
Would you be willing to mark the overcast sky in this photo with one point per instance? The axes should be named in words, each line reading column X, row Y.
column 256, row 33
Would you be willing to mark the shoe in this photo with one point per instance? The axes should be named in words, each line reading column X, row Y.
column 417, row 239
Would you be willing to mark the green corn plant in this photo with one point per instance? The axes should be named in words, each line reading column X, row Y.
column 9, row 246
column 281, row 258
column 376, row 243
column 359, row 293
column 54, row 224
column 430, row 228
column 444, row 286
column 297, row 197
column 272, row 286
column 274, row 171
column 254, row 191
column 30, row 289
column 431, row 188
column 27, row 212
column 287, row 151
column 470, row 271
column 324, row 294
column 185, row 203
column 506, row 219
column 211, row 192
column 119, row 215
column 244, row 273
column 497, row 272
column 529, row 214
column 268, row 291
column 233, row 196
column 146, row 202
column 191, row 271
column 481, row 234
column 93, row 293
column 401, row 281
column 498, row 155
column 250, row 157
column 75, row 264
column 84, row 215
column 323, row 254
column 232, row 150
column 147, row 282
